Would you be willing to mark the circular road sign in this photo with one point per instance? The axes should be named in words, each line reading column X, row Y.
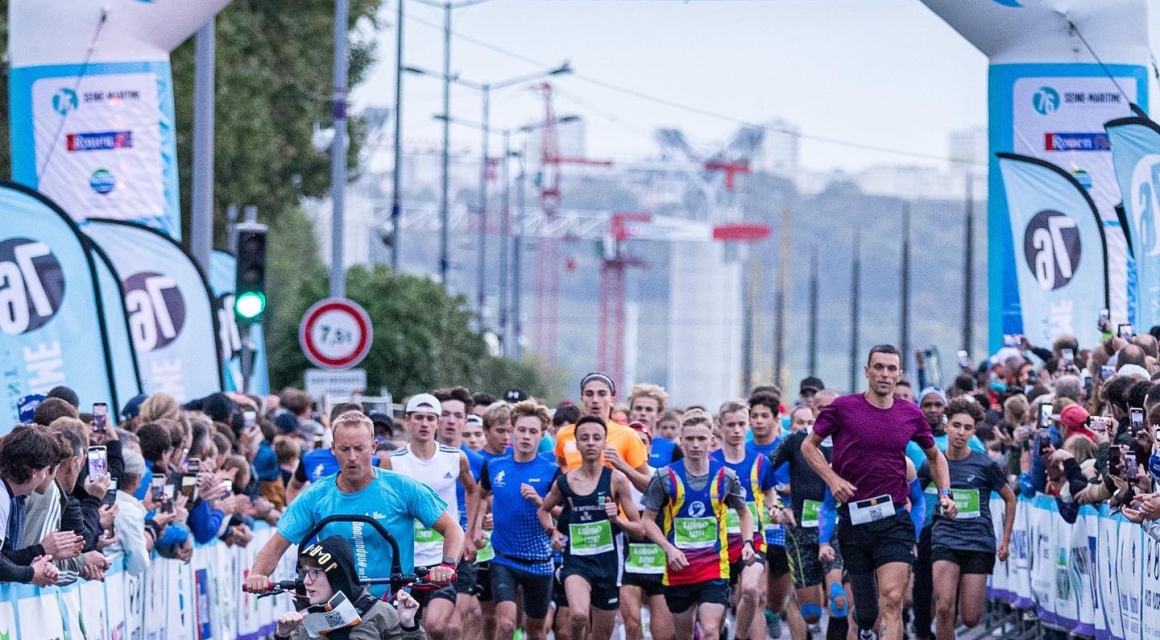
column 335, row 333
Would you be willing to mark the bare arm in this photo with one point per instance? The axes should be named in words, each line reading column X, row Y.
column 942, row 479
column 1009, row 513
column 385, row 463
column 811, row 450
column 471, row 494
column 628, row 518
column 653, row 532
column 448, row 526
column 544, row 513
column 266, row 562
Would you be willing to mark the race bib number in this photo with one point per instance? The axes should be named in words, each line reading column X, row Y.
column 871, row 510
column 487, row 553
column 811, row 514
column 695, row 533
column 590, row 538
column 645, row 559
column 967, row 502
column 733, row 520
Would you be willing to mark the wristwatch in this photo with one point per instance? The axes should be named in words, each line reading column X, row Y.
column 944, row 492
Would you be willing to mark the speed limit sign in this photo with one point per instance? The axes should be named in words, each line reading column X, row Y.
column 335, row 333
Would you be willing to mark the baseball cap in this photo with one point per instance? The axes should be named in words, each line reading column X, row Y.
column 424, row 403
column 27, row 407
column 812, row 383
column 134, row 462
column 474, row 420
column 514, row 395
column 1073, row 417
column 378, row 417
column 640, row 427
column 132, row 408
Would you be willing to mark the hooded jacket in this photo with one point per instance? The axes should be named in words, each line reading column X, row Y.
column 380, row 621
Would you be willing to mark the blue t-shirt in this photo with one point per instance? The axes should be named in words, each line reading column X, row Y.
column 396, row 501
column 321, row 463
column 475, row 461
column 487, row 455
column 520, row 535
column 774, row 533
column 662, row 452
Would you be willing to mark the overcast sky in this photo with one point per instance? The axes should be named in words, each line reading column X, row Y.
column 884, row 73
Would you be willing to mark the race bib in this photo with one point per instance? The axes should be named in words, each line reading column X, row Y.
column 645, row 559
column 337, row 613
column 811, row 514
column 487, row 553
column 967, row 502
column 590, row 538
column 871, row 510
column 733, row 520
column 695, row 533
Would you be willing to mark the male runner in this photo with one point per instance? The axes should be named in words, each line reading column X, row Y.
column 592, row 498
column 765, row 425
column 443, row 468
column 513, row 486
column 643, row 581
column 756, row 475
column 646, row 403
column 623, row 451
column 870, row 432
column 497, row 431
column 694, row 493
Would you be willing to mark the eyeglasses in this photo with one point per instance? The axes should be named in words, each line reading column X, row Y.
column 312, row 574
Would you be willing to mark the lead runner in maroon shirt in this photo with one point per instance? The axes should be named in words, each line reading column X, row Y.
column 870, row 431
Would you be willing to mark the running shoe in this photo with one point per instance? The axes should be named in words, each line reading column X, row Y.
column 867, row 634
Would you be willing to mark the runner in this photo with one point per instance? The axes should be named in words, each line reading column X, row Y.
column 392, row 498
column 592, row 500
column 756, row 475
column 623, row 450
column 963, row 549
column 643, row 581
column 694, row 494
column 513, row 486
column 870, row 432
column 646, row 403
column 443, row 468
column 802, row 542
column 497, row 431
column 765, row 425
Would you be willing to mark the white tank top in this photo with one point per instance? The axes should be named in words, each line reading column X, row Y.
column 441, row 473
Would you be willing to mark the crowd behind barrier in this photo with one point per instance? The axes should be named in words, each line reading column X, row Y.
column 201, row 600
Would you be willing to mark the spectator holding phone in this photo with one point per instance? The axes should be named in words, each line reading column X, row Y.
column 27, row 455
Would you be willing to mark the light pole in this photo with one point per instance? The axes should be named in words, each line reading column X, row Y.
column 397, row 177
column 338, row 151
column 485, row 90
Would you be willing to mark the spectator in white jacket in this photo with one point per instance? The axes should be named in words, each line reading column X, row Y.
column 135, row 534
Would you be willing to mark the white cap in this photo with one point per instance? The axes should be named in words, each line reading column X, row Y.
column 1133, row 371
column 424, row 403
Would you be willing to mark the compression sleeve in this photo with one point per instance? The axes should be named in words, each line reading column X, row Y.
column 917, row 506
column 828, row 518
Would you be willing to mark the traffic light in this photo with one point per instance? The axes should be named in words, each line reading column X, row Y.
column 250, row 286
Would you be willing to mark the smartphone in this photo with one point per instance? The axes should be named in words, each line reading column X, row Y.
column 1068, row 357
column 1115, row 460
column 964, row 360
column 1104, row 324
column 157, row 489
column 168, row 492
column 193, row 465
column 1131, row 468
column 1045, row 411
column 110, row 495
column 100, row 417
column 1124, row 331
column 98, row 461
column 227, row 487
column 1107, row 372
column 1136, row 420
column 189, row 487
column 250, row 418
column 1042, row 439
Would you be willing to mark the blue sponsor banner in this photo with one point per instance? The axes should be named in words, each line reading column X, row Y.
column 223, row 280
column 126, row 373
column 1136, row 157
column 1059, row 248
column 52, row 325
column 170, row 309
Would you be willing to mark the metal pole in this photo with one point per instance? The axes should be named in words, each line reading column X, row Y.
column 904, row 339
column 504, row 232
column 397, row 178
column 779, row 299
column 445, row 186
column 747, row 344
column 481, row 284
column 813, row 314
column 201, row 207
column 969, row 268
column 517, row 260
column 338, row 151
column 855, row 292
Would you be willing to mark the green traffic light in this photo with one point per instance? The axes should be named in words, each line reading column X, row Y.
column 250, row 305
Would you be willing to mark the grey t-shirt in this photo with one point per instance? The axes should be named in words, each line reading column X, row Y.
column 972, row 480
column 656, row 496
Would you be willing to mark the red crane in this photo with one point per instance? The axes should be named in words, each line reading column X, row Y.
column 613, row 290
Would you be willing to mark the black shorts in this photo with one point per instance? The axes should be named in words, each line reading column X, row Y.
column 559, row 598
column 424, row 597
column 970, row 562
column 865, row 547
column 482, row 588
column 605, row 591
column 735, row 568
column 537, row 589
column 652, row 584
column 680, row 597
column 801, row 547
column 776, row 562
column 465, row 578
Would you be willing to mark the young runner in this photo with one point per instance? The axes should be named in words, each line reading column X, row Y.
column 963, row 549
column 497, row 431
column 623, row 450
column 646, row 403
column 765, row 425
column 513, row 487
column 643, row 581
column 694, row 495
column 756, row 475
column 442, row 468
column 592, row 498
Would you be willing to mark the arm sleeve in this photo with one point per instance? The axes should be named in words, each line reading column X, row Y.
column 917, row 506
column 921, row 377
column 1076, row 481
column 204, row 522
column 1027, row 484
column 768, row 478
column 24, row 556
column 175, row 534
column 828, row 518
column 12, row 572
column 734, row 494
column 484, row 478
column 655, row 496
column 781, row 454
column 1043, row 354
column 827, row 423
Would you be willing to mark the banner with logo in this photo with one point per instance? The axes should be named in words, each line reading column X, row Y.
column 52, row 326
column 171, row 315
column 1060, row 251
column 223, row 280
column 91, row 104
column 1136, row 157
column 126, row 372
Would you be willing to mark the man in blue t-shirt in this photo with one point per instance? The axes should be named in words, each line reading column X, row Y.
column 394, row 500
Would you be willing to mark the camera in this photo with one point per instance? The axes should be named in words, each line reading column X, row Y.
column 1124, row 331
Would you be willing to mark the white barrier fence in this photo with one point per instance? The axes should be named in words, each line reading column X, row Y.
column 202, row 600
column 1098, row 577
